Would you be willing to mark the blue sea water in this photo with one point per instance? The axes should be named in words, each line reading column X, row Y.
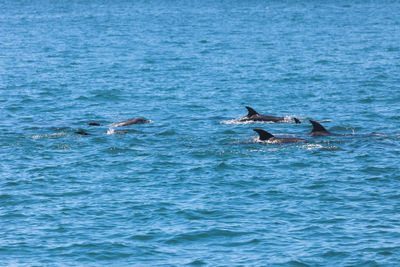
column 190, row 188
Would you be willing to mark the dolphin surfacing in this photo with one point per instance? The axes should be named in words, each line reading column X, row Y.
column 266, row 136
column 319, row 130
column 255, row 116
column 82, row 132
column 122, row 123
column 129, row 122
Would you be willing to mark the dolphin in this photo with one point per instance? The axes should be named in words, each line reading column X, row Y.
column 266, row 136
column 255, row 116
column 129, row 122
column 82, row 132
column 319, row 130
column 122, row 123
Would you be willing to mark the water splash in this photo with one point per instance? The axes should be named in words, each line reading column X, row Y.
column 110, row 131
column 53, row 135
column 312, row 146
column 286, row 119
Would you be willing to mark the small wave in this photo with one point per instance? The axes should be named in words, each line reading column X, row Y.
column 379, row 134
column 197, row 263
column 331, row 148
column 251, row 241
column 211, row 234
column 63, row 147
column 167, row 133
column 222, row 166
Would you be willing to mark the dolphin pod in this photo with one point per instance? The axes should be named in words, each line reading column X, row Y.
column 317, row 131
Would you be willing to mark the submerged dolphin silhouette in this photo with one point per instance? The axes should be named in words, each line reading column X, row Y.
column 129, row 122
column 82, row 132
column 255, row 116
column 122, row 123
column 266, row 136
column 319, row 130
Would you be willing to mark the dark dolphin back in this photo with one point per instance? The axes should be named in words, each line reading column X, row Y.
column 82, row 132
column 317, row 127
column 264, row 135
column 94, row 124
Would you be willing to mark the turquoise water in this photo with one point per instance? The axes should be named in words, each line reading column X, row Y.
column 190, row 188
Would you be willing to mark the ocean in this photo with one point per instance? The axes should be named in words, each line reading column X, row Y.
column 194, row 187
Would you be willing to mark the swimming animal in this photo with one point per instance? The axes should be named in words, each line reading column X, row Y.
column 319, row 130
column 129, row 122
column 82, row 132
column 255, row 116
column 266, row 136
column 122, row 123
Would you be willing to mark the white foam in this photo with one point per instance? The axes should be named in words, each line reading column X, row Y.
column 312, row 146
column 64, row 147
column 379, row 134
column 53, row 135
column 238, row 121
column 286, row 119
column 274, row 141
column 110, row 131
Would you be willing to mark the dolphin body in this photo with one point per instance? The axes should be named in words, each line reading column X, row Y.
column 319, row 130
column 255, row 116
column 266, row 136
column 82, row 132
column 122, row 123
column 129, row 122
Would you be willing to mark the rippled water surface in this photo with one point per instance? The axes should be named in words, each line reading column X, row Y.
column 191, row 187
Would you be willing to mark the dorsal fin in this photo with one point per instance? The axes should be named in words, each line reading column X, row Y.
column 264, row 135
column 251, row 112
column 317, row 127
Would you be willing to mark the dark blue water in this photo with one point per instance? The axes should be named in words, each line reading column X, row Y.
column 190, row 188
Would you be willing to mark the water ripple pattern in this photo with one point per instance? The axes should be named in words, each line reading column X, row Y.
column 194, row 187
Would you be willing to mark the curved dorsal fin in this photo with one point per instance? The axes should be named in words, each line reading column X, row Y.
column 264, row 135
column 251, row 111
column 317, row 127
